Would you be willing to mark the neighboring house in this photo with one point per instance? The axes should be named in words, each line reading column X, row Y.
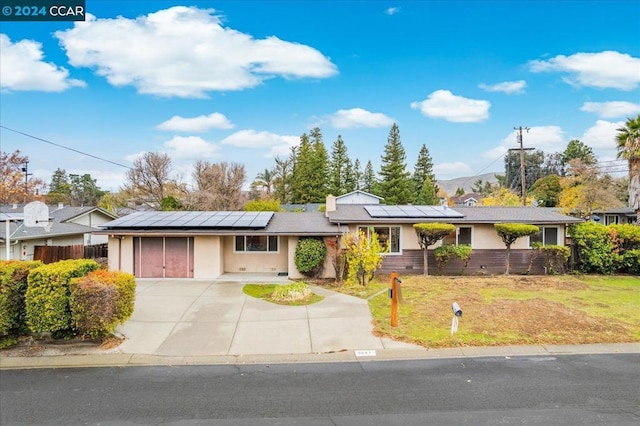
column 467, row 200
column 208, row 244
column 617, row 216
column 68, row 226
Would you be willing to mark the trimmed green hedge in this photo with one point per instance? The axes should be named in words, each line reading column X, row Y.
column 47, row 296
column 310, row 255
column 13, row 286
column 100, row 301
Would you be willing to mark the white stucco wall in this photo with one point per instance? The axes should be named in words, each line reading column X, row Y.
column 271, row 262
column 121, row 254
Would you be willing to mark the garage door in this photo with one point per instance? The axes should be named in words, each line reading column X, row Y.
column 163, row 257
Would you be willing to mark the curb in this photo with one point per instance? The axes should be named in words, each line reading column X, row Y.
column 123, row 360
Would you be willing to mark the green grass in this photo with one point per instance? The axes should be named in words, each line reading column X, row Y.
column 282, row 294
column 509, row 310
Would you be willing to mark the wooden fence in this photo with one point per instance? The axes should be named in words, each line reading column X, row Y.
column 50, row 254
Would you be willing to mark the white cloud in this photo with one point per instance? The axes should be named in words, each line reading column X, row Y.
column 612, row 109
column 608, row 69
column 392, row 11
column 358, row 117
column 444, row 104
column 457, row 168
column 602, row 135
column 22, row 68
column 189, row 148
column 185, row 52
column 508, row 87
column 202, row 123
column 545, row 138
column 133, row 157
column 254, row 139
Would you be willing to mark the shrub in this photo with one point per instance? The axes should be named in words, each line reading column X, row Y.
column 310, row 255
column 100, row 301
column 13, row 286
column 270, row 205
column 555, row 258
column 47, row 296
column 446, row 252
column 630, row 263
column 597, row 252
column 291, row 292
column 363, row 256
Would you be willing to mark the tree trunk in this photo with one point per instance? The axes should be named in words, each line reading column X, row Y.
column 425, row 267
column 506, row 261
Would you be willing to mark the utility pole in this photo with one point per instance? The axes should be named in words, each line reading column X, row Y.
column 25, row 170
column 522, row 166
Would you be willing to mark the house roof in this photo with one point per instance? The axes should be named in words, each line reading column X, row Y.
column 533, row 215
column 20, row 232
column 281, row 223
column 358, row 192
column 627, row 211
column 61, row 214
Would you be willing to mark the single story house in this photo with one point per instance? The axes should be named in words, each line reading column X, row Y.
column 206, row 245
column 617, row 216
column 67, row 226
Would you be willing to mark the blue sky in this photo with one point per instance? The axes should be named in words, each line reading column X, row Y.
column 240, row 81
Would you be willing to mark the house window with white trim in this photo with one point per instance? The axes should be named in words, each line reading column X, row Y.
column 462, row 236
column 547, row 235
column 388, row 237
column 256, row 243
column 610, row 219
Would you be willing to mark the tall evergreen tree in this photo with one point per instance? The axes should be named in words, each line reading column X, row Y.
column 350, row 178
column 309, row 183
column 396, row 186
column 283, row 176
column 320, row 167
column 301, row 171
column 423, row 170
column 369, row 180
column 59, row 188
column 357, row 175
column 339, row 168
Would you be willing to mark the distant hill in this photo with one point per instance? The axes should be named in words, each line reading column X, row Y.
column 449, row 186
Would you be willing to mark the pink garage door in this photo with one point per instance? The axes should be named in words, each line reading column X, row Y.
column 163, row 257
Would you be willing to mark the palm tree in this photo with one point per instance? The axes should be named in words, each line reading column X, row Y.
column 264, row 180
column 628, row 139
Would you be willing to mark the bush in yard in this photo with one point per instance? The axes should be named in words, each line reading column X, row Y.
column 100, row 301
column 363, row 256
column 509, row 233
column 555, row 258
column 47, row 296
column 597, row 252
column 310, row 255
column 13, row 285
column 291, row 292
column 630, row 263
column 446, row 252
column 429, row 234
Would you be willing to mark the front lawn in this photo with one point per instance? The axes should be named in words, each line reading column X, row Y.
column 508, row 310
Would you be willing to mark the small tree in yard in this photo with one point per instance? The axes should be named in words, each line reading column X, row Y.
column 363, row 256
column 510, row 232
column 428, row 235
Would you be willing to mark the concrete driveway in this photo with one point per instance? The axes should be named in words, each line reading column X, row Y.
column 214, row 317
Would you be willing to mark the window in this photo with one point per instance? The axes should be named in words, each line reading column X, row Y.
column 388, row 236
column 251, row 243
column 548, row 236
column 462, row 236
column 610, row 219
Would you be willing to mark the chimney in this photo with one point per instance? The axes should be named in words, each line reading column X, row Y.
column 15, row 206
column 330, row 205
column 60, row 205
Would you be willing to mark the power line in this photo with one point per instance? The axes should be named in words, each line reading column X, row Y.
column 65, row 147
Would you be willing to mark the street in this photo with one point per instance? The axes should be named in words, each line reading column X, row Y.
column 570, row 389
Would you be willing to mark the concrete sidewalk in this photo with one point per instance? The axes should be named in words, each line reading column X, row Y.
column 181, row 322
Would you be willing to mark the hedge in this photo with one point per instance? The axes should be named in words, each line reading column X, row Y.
column 100, row 301
column 13, row 286
column 310, row 255
column 47, row 296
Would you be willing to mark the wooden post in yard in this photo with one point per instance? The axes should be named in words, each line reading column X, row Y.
column 394, row 299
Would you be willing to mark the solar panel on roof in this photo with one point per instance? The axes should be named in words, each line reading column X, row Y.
column 193, row 220
column 412, row 212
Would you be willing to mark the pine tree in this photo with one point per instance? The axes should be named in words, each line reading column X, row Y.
column 423, row 170
column 339, row 168
column 369, row 181
column 302, row 165
column 357, row 175
column 320, row 168
column 350, row 178
column 309, row 184
column 396, row 186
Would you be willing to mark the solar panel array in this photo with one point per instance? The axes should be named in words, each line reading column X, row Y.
column 193, row 220
column 434, row 212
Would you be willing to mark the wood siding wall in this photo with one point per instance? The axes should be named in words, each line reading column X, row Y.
column 482, row 262
column 51, row 254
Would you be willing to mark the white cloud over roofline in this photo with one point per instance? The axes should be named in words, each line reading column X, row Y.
column 458, row 109
column 608, row 69
column 185, row 52
column 198, row 124
column 358, row 117
column 23, row 68
column 190, row 148
column 545, row 138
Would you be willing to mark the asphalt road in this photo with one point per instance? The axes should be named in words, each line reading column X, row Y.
column 568, row 390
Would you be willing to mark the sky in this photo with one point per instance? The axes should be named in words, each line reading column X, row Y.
column 240, row 81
